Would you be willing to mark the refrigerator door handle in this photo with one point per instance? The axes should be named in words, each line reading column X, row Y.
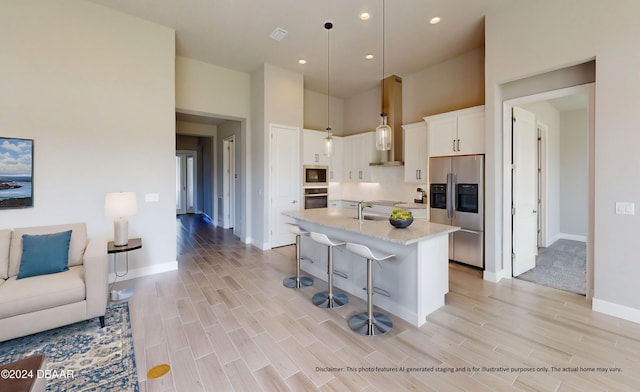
column 449, row 195
column 454, row 186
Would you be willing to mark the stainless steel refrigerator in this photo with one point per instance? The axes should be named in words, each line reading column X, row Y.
column 457, row 199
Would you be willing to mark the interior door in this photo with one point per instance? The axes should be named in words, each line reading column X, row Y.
column 186, row 182
column 285, row 176
column 525, row 174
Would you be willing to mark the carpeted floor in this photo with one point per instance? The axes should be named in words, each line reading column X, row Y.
column 561, row 266
column 87, row 357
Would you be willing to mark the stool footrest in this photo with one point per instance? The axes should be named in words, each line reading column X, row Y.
column 341, row 274
column 379, row 290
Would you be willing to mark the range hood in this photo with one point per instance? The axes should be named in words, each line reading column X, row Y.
column 392, row 105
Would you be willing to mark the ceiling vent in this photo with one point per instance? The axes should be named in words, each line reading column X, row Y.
column 278, row 34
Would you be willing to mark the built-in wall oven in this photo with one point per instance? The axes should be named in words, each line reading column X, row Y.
column 315, row 197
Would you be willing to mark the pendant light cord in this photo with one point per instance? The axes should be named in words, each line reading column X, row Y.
column 382, row 80
column 328, row 26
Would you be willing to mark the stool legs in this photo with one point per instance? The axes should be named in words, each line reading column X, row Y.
column 370, row 323
column 329, row 299
column 296, row 282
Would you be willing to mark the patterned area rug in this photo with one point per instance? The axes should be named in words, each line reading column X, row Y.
column 561, row 266
column 84, row 356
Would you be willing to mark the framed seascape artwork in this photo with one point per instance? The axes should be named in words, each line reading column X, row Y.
column 16, row 173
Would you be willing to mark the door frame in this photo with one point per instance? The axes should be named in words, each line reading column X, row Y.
column 589, row 90
column 228, row 181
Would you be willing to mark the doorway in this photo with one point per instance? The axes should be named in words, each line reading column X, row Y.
column 186, row 184
column 552, row 188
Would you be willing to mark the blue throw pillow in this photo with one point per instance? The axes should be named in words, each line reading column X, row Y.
column 44, row 254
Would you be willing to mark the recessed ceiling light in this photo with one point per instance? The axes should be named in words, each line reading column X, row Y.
column 369, row 56
column 302, row 61
column 365, row 16
column 435, row 20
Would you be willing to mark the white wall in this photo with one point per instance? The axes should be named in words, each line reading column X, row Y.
column 454, row 84
column 315, row 112
column 570, row 32
column 573, row 173
column 277, row 97
column 95, row 90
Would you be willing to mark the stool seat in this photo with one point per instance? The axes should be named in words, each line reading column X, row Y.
column 328, row 299
column 364, row 251
column 369, row 323
column 296, row 282
column 324, row 240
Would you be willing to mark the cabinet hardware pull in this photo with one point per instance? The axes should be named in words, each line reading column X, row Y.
column 341, row 274
column 454, row 144
column 458, row 145
column 317, row 156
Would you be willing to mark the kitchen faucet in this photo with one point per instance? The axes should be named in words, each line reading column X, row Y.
column 361, row 207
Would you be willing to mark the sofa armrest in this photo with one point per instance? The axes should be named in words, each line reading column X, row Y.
column 96, row 269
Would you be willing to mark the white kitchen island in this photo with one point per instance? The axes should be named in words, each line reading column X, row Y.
column 410, row 285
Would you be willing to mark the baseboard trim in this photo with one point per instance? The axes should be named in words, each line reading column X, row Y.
column 572, row 237
column 145, row 271
column 494, row 277
column 616, row 310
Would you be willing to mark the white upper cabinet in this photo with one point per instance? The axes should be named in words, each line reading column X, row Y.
column 460, row 132
column 336, row 166
column 359, row 151
column 313, row 148
column 415, row 153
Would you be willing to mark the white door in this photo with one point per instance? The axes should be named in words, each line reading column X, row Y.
column 228, row 182
column 525, row 194
column 285, row 176
column 186, row 182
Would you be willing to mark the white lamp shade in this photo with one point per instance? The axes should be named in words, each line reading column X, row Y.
column 120, row 204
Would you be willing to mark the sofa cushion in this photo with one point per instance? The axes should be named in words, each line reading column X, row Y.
column 44, row 254
column 5, row 240
column 41, row 292
column 76, row 246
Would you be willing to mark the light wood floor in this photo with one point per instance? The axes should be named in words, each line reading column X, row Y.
column 224, row 322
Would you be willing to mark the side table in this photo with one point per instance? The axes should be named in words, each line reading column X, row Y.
column 133, row 244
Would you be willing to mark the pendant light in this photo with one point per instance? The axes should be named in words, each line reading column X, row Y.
column 328, row 141
column 384, row 133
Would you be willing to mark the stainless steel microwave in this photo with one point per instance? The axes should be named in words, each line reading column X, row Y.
column 315, row 175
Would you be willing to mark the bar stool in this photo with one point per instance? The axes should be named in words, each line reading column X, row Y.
column 369, row 323
column 296, row 282
column 328, row 299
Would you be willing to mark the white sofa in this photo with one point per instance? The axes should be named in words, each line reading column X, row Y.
column 38, row 303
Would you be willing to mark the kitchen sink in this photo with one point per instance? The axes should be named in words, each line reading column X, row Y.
column 374, row 217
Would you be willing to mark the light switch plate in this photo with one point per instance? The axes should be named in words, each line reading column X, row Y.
column 625, row 208
column 151, row 197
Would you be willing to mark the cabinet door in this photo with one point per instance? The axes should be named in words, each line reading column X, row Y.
column 471, row 132
column 367, row 154
column 415, row 153
column 348, row 159
column 442, row 136
column 336, row 166
column 313, row 148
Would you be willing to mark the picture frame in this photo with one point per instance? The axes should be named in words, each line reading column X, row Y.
column 16, row 173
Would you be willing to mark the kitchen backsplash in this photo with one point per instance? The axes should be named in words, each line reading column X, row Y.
column 389, row 185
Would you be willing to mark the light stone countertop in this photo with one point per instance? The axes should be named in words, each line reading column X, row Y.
column 344, row 219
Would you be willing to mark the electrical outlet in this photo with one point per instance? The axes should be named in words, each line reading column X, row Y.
column 625, row 208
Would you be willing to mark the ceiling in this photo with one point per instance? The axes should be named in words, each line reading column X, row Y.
column 235, row 34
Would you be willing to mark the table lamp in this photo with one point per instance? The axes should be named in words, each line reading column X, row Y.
column 120, row 205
